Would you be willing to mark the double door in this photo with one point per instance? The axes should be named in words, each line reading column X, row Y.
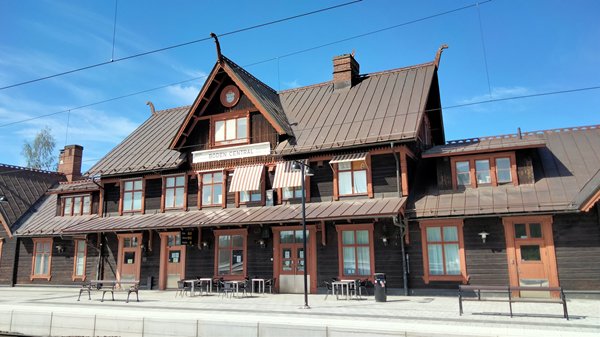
column 291, row 260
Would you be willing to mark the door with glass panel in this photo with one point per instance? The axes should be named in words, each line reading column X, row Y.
column 172, row 264
column 129, row 257
column 292, row 261
column 531, row 259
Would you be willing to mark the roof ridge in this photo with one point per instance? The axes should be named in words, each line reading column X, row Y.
column 377, row 73
column 171, row 109
column 249, row 74
column 81, row 181
column 523, row 134
column 22, row 168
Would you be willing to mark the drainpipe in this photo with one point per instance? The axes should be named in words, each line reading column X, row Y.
column 15, row 266
column 402, row 226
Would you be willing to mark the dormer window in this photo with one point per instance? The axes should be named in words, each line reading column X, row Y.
column 484, row 170
column 76, row 205
column 231, row 130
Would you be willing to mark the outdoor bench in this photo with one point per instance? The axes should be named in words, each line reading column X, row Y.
column 111, row 286
column 508, row 291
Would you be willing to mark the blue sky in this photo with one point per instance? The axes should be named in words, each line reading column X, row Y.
column 531, row 46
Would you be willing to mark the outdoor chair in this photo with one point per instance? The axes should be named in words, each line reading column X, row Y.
column 217, row 284
column 329, row 289
column 362, row 285
column 243, row 287
column 182, row 288
column 269, row 284
column 227, row 289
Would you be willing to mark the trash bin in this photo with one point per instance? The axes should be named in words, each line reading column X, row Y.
column 380, row 292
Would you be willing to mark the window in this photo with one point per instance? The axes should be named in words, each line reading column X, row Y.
column 76, row 205
column 352, row 178
column 463, row 173
column 503, row 170
column 42, row 257
column 443, row 250
column 212, row 189
column 250, row 196
column 291, row 192
column 231, row 131
column 132, row 195
column 480, row 170
column 174, row 191
column 79, row 260
column 230, row 253
column 355, row 250
column 528, row 231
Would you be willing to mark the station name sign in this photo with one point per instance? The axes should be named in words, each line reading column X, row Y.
column 234, row 152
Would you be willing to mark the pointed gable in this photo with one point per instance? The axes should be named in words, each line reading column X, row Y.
column 261, row 96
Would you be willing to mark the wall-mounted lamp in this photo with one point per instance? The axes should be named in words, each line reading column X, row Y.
column 3, row 198
column 203, row 245
column 60, row 248
column 484, row 235
column 262, row 243
column 385, row 240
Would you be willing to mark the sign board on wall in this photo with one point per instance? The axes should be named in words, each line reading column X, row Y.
column 187, row 236
column 234, row 152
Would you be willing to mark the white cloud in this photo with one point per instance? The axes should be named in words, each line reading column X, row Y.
column 291, row 84
column 497, row 92
column 183, row 95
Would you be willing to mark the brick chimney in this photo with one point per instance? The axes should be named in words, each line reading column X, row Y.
column 345, row 71
column 69, row 162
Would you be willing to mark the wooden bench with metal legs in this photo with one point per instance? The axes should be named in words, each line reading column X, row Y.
column 508, row 291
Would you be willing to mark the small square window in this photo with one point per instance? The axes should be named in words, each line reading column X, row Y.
column 520, row 231
column 535, row 230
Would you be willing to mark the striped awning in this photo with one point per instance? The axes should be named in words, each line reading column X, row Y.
column 286, row 176
column 349, row 157
column 247, row 178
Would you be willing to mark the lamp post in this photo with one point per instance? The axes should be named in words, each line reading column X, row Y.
column 305, row 171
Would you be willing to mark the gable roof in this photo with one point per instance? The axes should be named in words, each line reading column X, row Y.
column 261, row 95
column 22, row 187
column 567, row 164
column 589, row 194
column 383, row 106
column 146, row 148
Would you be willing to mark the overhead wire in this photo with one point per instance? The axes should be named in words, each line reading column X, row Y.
column 113, row 60
column 255, row 63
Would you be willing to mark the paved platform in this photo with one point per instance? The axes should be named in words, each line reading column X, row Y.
column 55, row 311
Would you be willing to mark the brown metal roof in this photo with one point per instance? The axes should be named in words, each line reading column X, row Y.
column 22, row 187
column 381, row 107
column 569, row 162
column 487, row 144
column 43, row 221
column 265, row 96
column 146, row 148
column 75, row 186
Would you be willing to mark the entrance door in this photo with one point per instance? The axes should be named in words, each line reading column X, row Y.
column 128, row 268
column 532, row 261
column 172, row 261
column 290, row 260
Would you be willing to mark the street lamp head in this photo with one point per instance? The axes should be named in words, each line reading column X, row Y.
column 3, row 198
column 296, row 165
column 309, row 172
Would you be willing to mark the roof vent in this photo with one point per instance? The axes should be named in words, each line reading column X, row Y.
column 345, row 71
column 151, row 105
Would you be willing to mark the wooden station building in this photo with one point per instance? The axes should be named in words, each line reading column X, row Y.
column 209, row 190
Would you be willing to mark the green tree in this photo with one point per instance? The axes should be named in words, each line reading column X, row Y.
column 39, row 153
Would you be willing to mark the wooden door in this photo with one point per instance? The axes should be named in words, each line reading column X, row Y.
column 172, row 260
column 129, row 264
column 530, row 252
column 289, row 262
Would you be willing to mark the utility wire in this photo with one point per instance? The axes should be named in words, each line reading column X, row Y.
column 487, row 73
column 254, row 63
column 113, row 60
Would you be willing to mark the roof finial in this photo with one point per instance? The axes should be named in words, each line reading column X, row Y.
column 219, row 56
column 151, row 105
column 438, row 55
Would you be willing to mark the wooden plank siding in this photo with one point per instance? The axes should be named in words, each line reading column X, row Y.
column 7, row 257
column 321, row 184
column 577, row 246
column 383, row 170
column 62, row 263
column 261, row 130
column 112, row 194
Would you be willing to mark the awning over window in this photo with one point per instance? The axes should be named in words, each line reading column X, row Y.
column 286, row 176
column 349, row 157
column 247, row 178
